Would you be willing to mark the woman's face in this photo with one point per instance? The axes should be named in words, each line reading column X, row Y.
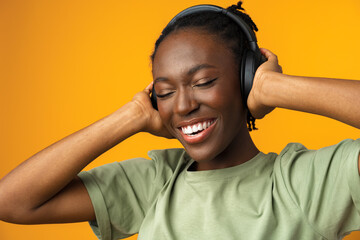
column 197, row 83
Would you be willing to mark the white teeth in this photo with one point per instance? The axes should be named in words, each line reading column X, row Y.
column 188, row 130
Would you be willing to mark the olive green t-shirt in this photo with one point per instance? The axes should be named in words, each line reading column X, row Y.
column 298, row 194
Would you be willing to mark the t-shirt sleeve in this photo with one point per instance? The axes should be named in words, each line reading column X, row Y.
column 122, row 192
column 325, row 185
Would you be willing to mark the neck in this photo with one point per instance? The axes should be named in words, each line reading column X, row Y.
column 241, row 150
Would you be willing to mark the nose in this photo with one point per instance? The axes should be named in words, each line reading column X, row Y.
column 185, row 102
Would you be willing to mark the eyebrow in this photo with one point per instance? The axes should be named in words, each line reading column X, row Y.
column 190, row 72
column 199, row 67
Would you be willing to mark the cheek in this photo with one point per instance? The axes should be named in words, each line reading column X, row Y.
column 165, row 112
column 224, row 98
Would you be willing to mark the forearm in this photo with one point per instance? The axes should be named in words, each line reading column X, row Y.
column 43, row 175
column 334, row 98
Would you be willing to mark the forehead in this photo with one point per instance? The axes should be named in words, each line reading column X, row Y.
column 183, row 49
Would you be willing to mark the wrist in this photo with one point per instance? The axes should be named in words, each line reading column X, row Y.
column 134, row 115
column 270, row 88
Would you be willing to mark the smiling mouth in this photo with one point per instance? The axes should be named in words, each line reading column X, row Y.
column 194, row 129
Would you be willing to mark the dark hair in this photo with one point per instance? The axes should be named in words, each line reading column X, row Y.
column 221, row 26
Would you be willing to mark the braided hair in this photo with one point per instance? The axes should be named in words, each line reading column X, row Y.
column 221, row 26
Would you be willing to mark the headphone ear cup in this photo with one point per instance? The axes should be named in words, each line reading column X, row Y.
column 153, row 98
column 247, row 73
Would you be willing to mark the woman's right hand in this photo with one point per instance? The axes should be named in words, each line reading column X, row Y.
column 153, row 122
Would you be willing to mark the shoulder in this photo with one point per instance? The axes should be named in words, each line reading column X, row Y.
column 162, row 162
column 302, row 170
column 322, row 183
column 297, row 165
column 295, row 151
column 169, row 159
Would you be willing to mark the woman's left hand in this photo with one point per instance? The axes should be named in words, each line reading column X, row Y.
column 255, row 102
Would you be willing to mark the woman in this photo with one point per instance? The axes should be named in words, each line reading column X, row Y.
column 221, row 186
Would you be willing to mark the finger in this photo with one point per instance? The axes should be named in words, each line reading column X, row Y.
column 268, row 54
column 148, row 89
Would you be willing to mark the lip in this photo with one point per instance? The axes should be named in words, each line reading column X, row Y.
column 200, row 137
column 193, row 121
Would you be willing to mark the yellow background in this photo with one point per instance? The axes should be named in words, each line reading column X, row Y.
column 66, row 64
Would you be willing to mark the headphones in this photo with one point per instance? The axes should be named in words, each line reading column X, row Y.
column 251, row 58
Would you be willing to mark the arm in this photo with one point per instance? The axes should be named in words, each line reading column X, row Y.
column 333, row 98
column 45, row 188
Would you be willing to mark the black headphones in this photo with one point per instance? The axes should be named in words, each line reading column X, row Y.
column 251, row 58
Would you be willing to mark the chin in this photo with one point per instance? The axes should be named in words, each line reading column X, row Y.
column 201, row 154
column 198, row 157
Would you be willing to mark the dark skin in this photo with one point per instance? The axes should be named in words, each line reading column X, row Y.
column 196, row 79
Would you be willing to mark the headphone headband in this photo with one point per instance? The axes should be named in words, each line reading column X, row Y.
column 249, row 33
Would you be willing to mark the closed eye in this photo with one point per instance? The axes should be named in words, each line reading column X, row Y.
column 164, row 95
column 204, row 84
